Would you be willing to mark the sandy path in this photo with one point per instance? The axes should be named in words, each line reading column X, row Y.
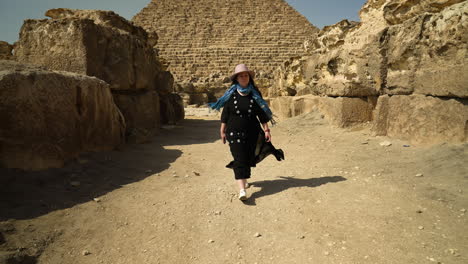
column 339, row 197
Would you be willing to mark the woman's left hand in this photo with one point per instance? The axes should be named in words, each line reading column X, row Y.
column 267, row 136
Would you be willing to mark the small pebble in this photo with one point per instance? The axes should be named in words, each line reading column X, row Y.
column 326, row 253
column 85, row 252
column 419, row 175
column 463, row 210
column 97, row 200
column 211, row 241
column 257, row 235
column 385, row 143
column 196, row 173
column 420, row 227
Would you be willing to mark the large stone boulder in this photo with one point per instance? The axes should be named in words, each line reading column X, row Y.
column 50, row 117
column 422, row 119
column 107, row 46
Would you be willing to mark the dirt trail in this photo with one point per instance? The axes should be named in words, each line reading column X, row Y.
column 339, row 197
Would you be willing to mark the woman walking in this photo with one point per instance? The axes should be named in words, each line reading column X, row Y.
column 244, row 110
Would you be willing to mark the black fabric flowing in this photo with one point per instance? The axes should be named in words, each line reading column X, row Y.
column 246, row 139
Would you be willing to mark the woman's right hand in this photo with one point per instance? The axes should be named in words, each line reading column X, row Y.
column 223, row 137
column 222, row 132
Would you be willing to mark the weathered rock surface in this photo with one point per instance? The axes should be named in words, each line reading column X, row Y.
column 422, row 119
column 201, row 38
column 426, row 53
column 401, row 47
column 429, row 54
column 105, row 45
column 50, row 117
column 6, row 51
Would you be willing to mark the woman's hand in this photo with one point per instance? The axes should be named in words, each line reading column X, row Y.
column 223, row 136
column 267, row 136
column 266, row 129
column 222, row 132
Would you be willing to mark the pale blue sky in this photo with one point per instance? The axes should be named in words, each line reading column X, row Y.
column 12, row 12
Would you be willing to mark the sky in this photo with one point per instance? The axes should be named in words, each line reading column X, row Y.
column 12, row 12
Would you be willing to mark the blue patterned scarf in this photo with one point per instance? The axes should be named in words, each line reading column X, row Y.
column 249, row 89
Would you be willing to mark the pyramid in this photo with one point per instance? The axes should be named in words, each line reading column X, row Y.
column 201, row 38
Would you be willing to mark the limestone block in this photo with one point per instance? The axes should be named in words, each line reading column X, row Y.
column 142, row 114
column 422, row 119
column 50, row 117
column 123, row 59
column 6, row 51
column 429, row 54
column 172, row 109
column 281, row 107
column 339, row 111
column 347, row 111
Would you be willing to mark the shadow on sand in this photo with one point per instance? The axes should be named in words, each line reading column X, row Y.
column 284, row 183
column 25, row 195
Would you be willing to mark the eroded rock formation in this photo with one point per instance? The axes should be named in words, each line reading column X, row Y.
column 401, row 47
column 6, row 51
column 104, row 45
column 203, row 40
column 50, row 117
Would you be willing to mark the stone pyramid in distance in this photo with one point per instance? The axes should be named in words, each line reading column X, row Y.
column 199, row 38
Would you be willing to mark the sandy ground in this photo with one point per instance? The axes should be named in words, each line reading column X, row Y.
column 339, row 197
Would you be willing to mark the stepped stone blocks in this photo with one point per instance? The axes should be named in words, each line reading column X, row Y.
column 6, row 51
column 105, row 45
column 401, row 47
column 422, row 119
column 50, row 117
column 202, row 38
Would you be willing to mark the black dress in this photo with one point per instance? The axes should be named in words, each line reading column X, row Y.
column 244, row 134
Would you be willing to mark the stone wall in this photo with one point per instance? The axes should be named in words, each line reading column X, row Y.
column 203, row 40
column 50, row 117
column 416, row 52
column 104, row 45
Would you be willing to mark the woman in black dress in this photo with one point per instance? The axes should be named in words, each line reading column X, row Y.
column 244, row 110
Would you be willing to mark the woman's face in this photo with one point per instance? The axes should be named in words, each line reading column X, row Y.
column 243, row 78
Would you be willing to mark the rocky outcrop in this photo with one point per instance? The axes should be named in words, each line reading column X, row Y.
column 6, row 51
column 50, row 117
column 401, row 47
column 104, row 45
column 203, row 40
